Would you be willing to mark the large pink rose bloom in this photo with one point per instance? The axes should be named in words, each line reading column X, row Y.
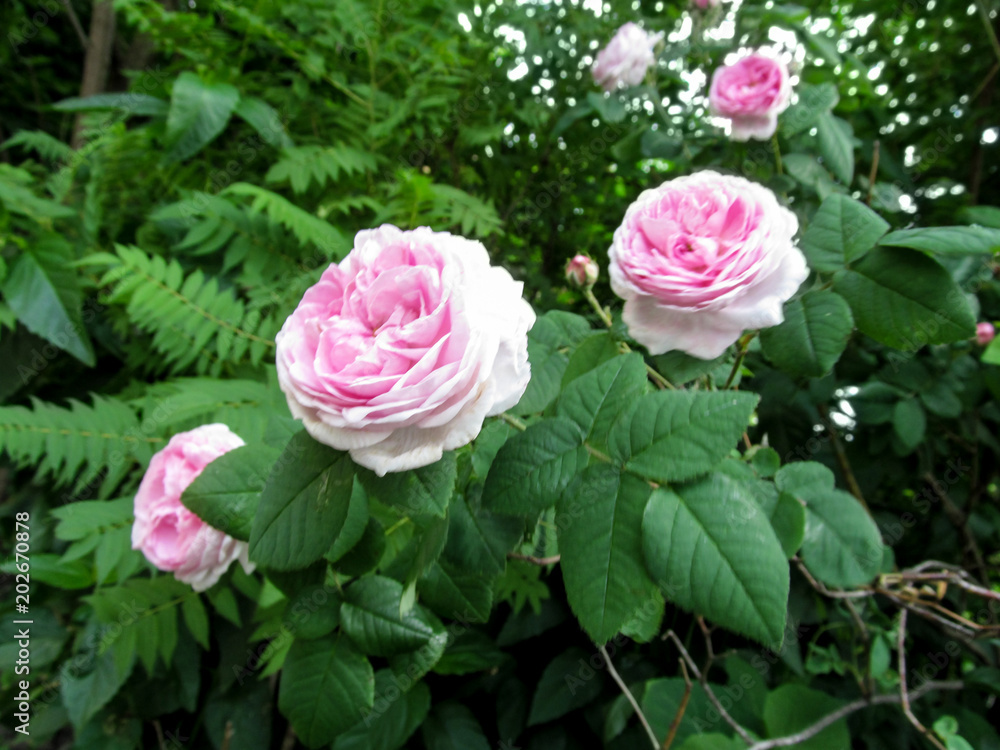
column 169, row 535
column 751, row 92
column 626, row 59
column 702, row 258
column 401, row 351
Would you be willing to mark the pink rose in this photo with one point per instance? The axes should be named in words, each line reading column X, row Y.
column 626, row 59
column 705, row 4
column 400, row 352
column 169, row 535
column 751, row 92
column 582, row 271
column 984, row 333
column 702, row 258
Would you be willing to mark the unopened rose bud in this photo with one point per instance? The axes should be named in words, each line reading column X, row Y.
column 582, row 271
column 705, row 4
column 985, row 333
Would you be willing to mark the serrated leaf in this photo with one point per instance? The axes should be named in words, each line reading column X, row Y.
column 199, row 112
column 903, row 299
column 599, row 522
column 567, row 683
column 42, row 290
column 326, row 688
column 424, row 490
column 452, row 726
column 390, row 728
column 842, row 545
column 303, row 505
column 812, row 102
column 836, row 144
column 84, row 694
column 791, row 708
column 533, row 467
column 265, row 120
column 714, row 552
column 842, row 231
column 677, row 435
column 549, row 342
column 227, row 492
column 947, row 240
column 370, row 615
column 457, row 594
column 597, row 399
column 814, row 334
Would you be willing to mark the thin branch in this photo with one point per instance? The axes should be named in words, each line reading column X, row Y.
column 842, row 460
column 960, row 520
column 675, row 724
column 904, row 694
column 874, row 173
column 513, row 421
column 631, row 699
column 77, row 26
column 984, row 13
column 228, row 736
column 744, row 344
column 850, row 708
column 534, row 560
column 736, row 726
column 858, row 594
column 159, row 734
column 289, row 742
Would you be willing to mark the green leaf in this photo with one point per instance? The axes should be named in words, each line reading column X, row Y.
column 608, row 106
column 424, row 490
column 478, row 540
column 42, row 290
column 947, row 240
column 457, row 594
column 592, row 351
column 791, row 708
column 451, row 726
column 599, row 522
column 813, row 101
column 903, row 299
column 810, row 173
column 842, row 545
column 354, row 525
column 656, row 144
column 813, row 335
column 370, row 615
column 909, row 422
column 391, row 727
column 677, row 435
column 836, row 144
column 326, row 688
column 533, row 467
column 597, row 399
column 303, row 505
column 196, row 619
column 549, row 342
column 679, row 368
column 661, row 699
column 788, row 519
column 133, row 103
column 570, row 681
column 987, row 216
column 226, row 493
column 842, row 231
column 84, row 694
column 199, row 111
column 714, row 552
column 263, row 118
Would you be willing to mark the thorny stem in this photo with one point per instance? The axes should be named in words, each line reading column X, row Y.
column 631, row 699
column 744, row 344
column 904, row 694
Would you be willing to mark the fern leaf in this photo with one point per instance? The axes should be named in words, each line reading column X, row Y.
column 304, row 165
column 43, row 144
column 97, row 445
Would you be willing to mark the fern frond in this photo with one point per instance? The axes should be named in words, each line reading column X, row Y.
column 303, row 165
column 96, row 445
column 192, row 319
column 417, row 201
column 43, row 144
column 349, row 204
column 301, row 223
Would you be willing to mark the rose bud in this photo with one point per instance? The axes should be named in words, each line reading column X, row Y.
column 984, row 333
column 582, row 271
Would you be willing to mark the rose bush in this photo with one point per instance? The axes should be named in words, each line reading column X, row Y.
column 172, row 537
column 702, row 258
column 401, row 351
column 751, row 92
column 626, row 58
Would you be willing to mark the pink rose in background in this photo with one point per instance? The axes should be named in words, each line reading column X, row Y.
column 705, row 4
column 984, row 333
column 169, row 535
column 582, row 271
column 626, row 59
column 702, row 258
column 401, row 351
column 751, row 92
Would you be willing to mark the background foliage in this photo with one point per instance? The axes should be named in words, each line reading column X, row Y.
column 236, row 150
